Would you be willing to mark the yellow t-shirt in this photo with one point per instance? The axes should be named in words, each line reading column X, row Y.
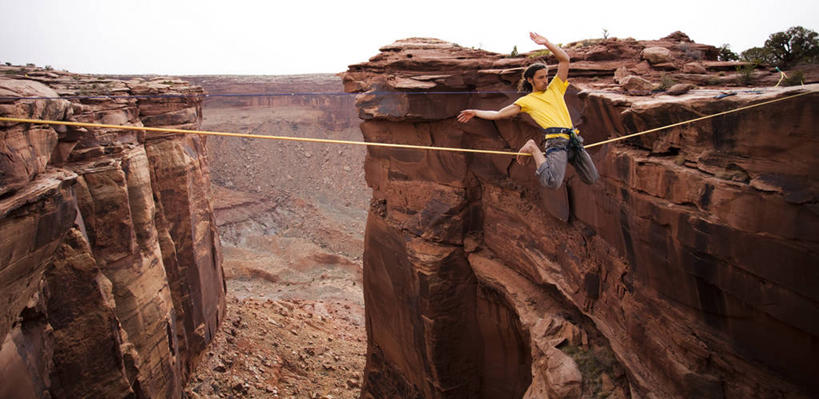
column 547, row 107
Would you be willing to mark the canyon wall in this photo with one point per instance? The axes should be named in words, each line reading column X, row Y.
column 311, row 92
column 110, row 266
column 688, row 270
column 259, row 105
column 291, row 218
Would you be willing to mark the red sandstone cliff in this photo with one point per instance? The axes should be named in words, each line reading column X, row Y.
column 688, row 270
column 312, row 92
column 111, row 280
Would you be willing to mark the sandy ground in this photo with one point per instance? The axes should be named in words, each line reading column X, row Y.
column 283, row 349
column 291, row 220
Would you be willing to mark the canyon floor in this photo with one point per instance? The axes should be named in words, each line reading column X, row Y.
column 291, row 220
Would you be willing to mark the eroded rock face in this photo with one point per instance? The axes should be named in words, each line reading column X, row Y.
column 27, row 149
column 687, row 270
column 111, row 272
column 313, row 91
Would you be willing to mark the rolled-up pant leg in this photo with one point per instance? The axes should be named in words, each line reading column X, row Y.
column 551, row 173
column 583, row 164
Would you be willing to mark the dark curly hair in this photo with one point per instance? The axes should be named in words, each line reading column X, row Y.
column 529, row 72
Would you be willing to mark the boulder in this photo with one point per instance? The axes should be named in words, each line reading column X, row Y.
column 636, row 86
column 679, row 89
column 656, row 55
column 620, row 73
column 678, row 36
column 565, row 379
column 694, row 67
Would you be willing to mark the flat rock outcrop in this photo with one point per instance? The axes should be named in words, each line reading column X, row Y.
column 110, row 266
column 311, row 91
column 687, row 270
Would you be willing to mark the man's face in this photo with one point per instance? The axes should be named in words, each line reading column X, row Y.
column 540, row 81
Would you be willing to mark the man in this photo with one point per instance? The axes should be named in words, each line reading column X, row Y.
column 545, row 104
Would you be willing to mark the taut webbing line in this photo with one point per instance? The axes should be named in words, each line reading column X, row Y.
column 269, row 94
column 253, row 136
column 407, row 146
column 628, row 136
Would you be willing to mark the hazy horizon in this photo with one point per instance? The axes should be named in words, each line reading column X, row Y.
column 261, row 38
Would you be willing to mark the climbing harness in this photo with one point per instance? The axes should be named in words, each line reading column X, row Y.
column 373, row 144
column 572, row 134
column 559, row 132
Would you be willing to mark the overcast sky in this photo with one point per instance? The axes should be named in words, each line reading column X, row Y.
column 297, row 36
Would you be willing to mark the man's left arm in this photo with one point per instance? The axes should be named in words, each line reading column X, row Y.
column 562, row 56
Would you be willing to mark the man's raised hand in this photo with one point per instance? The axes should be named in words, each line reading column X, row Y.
column 538, row 38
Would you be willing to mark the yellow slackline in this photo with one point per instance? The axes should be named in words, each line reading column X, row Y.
column 408, row 146
column 695, row 119
column 253, row 136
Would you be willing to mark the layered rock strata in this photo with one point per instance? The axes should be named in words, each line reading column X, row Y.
column 314, row 91
column 110, row 266
column 687, row 270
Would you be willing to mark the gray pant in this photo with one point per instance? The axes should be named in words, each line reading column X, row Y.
column 558, row 153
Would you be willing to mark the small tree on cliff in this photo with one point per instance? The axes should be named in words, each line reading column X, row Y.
column 794, row 45
column 785, row 49
column 725, row 53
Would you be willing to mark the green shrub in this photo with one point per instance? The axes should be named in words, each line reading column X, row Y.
column 796, row 78
column 795, row 45
column 725, row 53
column 746, row 74
column 756, row 55
column 540, row 53
column 666, row 82
column 785, row 49
column 689, row 52
column 591, row 363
